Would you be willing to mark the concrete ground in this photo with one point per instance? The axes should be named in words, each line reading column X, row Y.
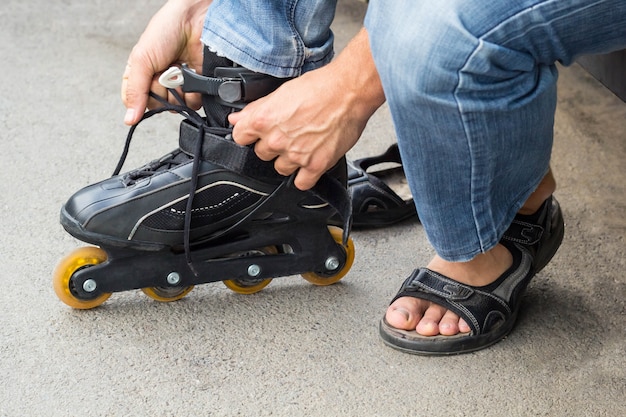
column 293, row 349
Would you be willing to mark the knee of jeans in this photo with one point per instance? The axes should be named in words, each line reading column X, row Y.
column 422, row 47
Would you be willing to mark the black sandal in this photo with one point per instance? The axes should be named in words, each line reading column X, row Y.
column 490, row 311
column 374, row 201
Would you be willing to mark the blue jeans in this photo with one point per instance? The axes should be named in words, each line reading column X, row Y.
column 471, row 87
column 472, row 90
column 283, row 38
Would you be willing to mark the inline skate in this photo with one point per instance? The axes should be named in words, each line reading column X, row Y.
column 208, row 211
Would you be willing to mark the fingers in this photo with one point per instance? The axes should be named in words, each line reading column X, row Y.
column 297, row 130
column 152, row 54
column 306, row 179
column 270, row 143
column 172, row 36
column 235, row 117
column 245, row 131
column 137, row 83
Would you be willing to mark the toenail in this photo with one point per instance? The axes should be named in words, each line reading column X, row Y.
column 403, row 312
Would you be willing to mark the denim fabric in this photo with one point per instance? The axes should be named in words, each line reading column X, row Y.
column 283, row 38
column 471, row 85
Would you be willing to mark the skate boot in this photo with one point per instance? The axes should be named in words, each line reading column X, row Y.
column 209, row 211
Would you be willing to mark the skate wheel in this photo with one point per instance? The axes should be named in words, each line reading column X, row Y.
column 245, row 286
column 62, row 278
column 250, row 285
column 167, row 294
column 316, row 279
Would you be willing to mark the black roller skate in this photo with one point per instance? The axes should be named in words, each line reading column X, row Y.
column 208, row 211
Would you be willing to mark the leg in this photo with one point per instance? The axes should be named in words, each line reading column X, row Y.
column 472, row 93
column 469, row 93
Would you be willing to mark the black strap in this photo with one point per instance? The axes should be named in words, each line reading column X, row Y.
column 523, row 232
column 219, row 150
column 231, row 84
column 479, row 309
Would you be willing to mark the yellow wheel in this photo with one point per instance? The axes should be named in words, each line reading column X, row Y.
column 250, row 285
column 316, row 279
column 62, row 279
column 166, row 294
column 247, row 286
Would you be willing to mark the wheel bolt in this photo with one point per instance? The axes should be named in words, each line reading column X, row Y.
column 254, row 270
column 173, row 278
column 332, row 263
column 90, row 285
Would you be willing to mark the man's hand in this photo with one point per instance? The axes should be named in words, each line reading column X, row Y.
column 310, row 122
column 172, row 37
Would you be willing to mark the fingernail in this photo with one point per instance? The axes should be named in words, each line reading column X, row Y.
column 129, row 117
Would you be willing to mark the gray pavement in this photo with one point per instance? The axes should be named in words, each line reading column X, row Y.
column 293, row 349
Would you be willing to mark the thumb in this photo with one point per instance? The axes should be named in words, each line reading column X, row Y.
column 136, row 83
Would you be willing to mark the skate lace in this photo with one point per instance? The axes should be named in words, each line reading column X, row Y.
column 170, row 160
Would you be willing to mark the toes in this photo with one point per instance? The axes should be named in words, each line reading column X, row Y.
column 463, row 326
column 438, row 320
column 449, row 324
column 427, row 319
column 429, row 324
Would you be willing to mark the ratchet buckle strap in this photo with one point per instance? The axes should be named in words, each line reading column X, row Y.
column 233, row 85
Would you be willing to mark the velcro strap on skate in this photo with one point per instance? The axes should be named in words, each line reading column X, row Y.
column 231, row 84
column 223, row 152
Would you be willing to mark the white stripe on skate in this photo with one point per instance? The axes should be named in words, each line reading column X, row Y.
column 186, row 196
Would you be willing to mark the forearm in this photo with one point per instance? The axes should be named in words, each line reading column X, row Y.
column 357, row 76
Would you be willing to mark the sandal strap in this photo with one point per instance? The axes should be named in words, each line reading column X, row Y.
column 524, row 232
column 471, row 305
column 392, row 154
column 528, row 230
column 368, row 189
